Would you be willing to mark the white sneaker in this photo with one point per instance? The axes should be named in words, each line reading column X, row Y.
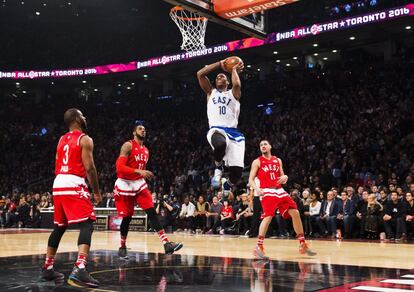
column 216, row 180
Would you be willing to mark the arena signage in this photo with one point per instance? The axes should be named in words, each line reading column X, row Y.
column 272, row 38
column 238, row 8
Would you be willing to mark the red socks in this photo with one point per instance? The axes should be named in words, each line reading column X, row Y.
column 162, row 236
column 49, row 262
column 123, row 241
column 81, row 262
column 260, row 240
column 301, row 238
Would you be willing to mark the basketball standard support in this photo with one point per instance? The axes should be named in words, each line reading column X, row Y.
column 255, row 27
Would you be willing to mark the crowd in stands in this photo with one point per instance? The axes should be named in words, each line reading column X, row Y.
column 344, row 133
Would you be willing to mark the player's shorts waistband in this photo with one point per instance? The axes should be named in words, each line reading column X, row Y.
column 68, row 184
column 232, row 133
column 126, row 187
column 269, row 192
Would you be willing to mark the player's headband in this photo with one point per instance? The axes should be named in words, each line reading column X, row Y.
column 139, row 123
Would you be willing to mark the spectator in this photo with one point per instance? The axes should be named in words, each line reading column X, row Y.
column 164, row 210
column 409, row 218
column 214, row 215
column 187, row 215
column 361, row 213
column 23, row 212
column 108, row 201
column 202, row 207
column 394, row 218
column 372, row 217
column 244, row 215
column 383, row 199
column 328, row 214
column 355, row 198
column 346, row 214
column 10, row 214
column 312, row 215
column 226, row 217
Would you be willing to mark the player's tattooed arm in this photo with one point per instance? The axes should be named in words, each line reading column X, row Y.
column 235, row 80
column 126, row 149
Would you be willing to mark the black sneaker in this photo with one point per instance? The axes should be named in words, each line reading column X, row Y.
column 122, row 252
column 81, row 278
column 50, row 275
column 170, row 247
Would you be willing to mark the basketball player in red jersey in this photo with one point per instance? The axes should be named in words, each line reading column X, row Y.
column 131, row 188
column 269, row 175
column 74, row 162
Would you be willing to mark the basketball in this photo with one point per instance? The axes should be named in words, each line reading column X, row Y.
column 230, row 62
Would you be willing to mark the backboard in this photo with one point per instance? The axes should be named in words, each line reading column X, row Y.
column 253, row 25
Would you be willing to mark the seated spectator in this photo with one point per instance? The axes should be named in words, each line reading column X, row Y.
column 409, row 218
column 361, row 212
column 383, row 199
column 23, row 212
column 186, row 217
column 346, row 215
column 10, row 217
column 3, row 211
column 352, row 195
column 394, row 218
column 226, row 217
column 202, row 207
column 108, row 201
column 244, row 214
column 213, row 215
column 372, row 217
column 313, row 213
column 327, row 216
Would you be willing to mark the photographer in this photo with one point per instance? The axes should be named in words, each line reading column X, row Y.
column 163, row 210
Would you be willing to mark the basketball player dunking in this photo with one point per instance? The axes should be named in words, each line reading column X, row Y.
column 74, row 162
column 131, row 188
column 223, row 109
column 266, row 179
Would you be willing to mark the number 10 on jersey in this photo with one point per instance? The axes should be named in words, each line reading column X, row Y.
column 222, row 110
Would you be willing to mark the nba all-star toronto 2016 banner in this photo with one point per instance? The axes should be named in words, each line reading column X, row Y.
column 238, row 8
column 272, row 38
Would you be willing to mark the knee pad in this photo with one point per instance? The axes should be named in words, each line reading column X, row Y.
column 153, row 219
column 56, row 236
column 85, row 234
column 235, row 174
column 124, row 228
column 219, row 143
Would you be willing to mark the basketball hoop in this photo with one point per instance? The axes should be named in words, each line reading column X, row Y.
column 192, row 27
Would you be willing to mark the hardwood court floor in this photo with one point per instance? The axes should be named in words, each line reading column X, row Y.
column 211, row 263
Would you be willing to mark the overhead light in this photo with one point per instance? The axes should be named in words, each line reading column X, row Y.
column 96, row 89
column 83, row 81
column 24, row 91
column 275, row 52
column 277, row 61
column 145, row 76
column 69, row 3
column 288, row 65
column 352, row 38
column 408, row 27
column 295, row 58
column 119, row 84
column 53, row 83
column 128, row 88
column 325, row 58
column 315, row 45
column 258, row 69
column 22, row 2
column 44, row 4
column 334, row 51
column 249, row 66
column 133, row 83
column 17, row 83
column 37, row 13
column 316, row 54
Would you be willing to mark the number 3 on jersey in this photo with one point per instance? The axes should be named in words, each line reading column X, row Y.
column 66, row 157
column 222, row 110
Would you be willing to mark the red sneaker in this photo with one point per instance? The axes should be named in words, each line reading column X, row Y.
column 304, row 249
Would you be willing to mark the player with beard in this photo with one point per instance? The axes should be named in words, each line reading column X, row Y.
column 131, row 188
column 74, row 162
column 266, row 178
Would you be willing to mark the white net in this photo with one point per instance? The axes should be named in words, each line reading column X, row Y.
column 192, row 27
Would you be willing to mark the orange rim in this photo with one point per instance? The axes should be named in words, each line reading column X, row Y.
column 179, row 8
